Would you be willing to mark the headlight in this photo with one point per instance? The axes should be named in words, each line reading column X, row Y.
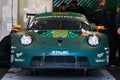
column 26, row 39
column 93, row 40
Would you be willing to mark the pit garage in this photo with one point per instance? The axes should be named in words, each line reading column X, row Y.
column 40, row 41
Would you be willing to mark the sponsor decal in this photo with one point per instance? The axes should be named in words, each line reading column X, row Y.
column 12, row 51
column 60, row 52
column 107, row 52
column 106, row 48
column 19, row 60
column 107, row 58
column 59, row 33
column 99, row 60
column 100, row 55
column 59, row 44
column 72, row 17
column 12, row 58
column 19, row 54
column 13, row 47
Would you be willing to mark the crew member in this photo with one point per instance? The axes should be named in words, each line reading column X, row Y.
column 102, row 17
column 75, row 8
column 63, row 7
column 118, row 28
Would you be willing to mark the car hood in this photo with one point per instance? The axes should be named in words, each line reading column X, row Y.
column 60, row 33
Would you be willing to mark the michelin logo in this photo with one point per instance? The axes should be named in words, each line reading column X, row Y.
column 100, row 60
column 100, row 55
column 19, row 60
column 19, row 54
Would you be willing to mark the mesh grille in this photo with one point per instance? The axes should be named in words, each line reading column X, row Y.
column 60, row 59
column 36, row 61
column 83, row 62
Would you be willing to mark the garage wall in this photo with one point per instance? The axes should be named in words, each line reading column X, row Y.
column 90, row 6
column 0, row 20
column 33, row 6
column 6, row 16
column 21, row 5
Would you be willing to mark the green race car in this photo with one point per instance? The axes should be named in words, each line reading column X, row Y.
column 59, row 40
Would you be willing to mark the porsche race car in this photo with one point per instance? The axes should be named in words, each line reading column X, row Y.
column 59, row 40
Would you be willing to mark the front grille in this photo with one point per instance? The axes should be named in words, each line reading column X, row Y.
column 83, row 62
column 59, row 62
column 59, row 59
column 36, row 61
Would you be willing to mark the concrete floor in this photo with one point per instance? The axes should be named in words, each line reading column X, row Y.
column 114, row 72
column 3, row 71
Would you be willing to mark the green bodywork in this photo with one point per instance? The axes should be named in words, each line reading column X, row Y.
column 59, row 43
column 59, row 33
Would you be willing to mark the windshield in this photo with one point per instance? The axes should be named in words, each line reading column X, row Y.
column 58, row 24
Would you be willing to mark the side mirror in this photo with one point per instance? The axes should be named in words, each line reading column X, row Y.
column 100, row 28
column 16, row 26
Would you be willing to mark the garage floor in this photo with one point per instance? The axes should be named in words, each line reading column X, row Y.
column 115, row 73
column 3, row 71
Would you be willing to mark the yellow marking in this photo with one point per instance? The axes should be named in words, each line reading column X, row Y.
column 59, row 33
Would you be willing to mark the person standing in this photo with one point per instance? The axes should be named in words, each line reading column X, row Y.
column 63, row 7
column 102, row 16
column 118, row 28
column 5, row 49
column 75, row 8
column 118, row 19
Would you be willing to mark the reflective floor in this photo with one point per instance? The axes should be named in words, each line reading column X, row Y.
column 99, row 74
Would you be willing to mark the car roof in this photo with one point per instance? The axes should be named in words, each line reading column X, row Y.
column 77, row 16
